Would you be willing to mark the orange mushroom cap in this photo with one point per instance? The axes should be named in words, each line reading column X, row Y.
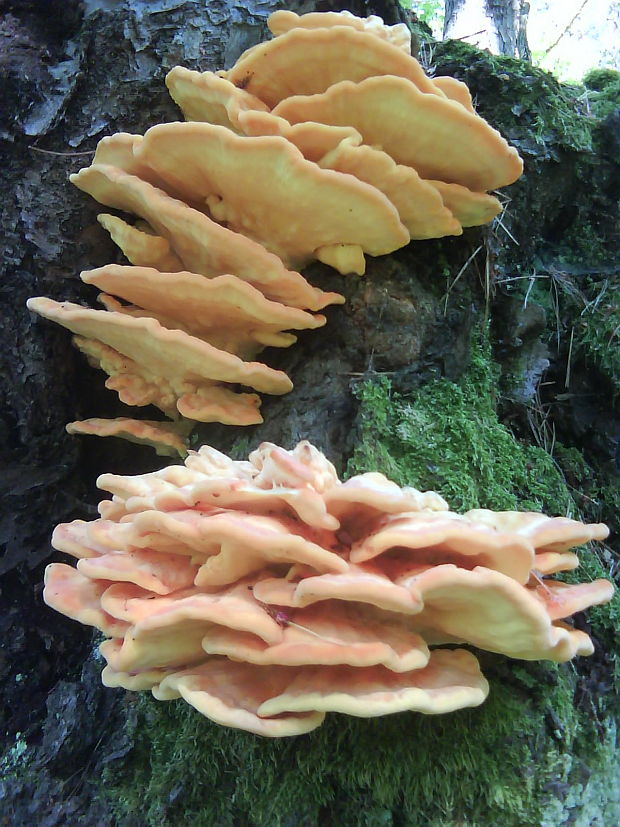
column 282, row 21
column 288, row 66
column 190, row 369
column 415, row 129
column 288, row 204
column 423, row 538
column 451, row 680
column 553, row 534
column 224, row 311
column 142, row 248
column 203, row 246
column 205, row 96
column 327, row 635
column 231, row 694
column 163, row 436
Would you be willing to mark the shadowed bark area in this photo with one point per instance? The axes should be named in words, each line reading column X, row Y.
column 75, row 72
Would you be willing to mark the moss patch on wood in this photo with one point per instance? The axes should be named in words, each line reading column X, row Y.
column 539, row 751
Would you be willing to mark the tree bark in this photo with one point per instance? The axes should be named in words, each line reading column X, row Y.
column 76, row 72
column 497, row 25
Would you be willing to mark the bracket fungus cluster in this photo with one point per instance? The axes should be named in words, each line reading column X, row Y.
column 328, row 142
column 267, row 593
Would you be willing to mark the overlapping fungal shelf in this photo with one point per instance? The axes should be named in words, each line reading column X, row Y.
column 327, row 143
column 267, row 593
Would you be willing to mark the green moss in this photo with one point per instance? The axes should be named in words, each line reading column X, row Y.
column 539, row 113
column 600, row 79
column 598, row 331
column 603, row 86
column 540, row 750
column 404, row 769
column 447, row 437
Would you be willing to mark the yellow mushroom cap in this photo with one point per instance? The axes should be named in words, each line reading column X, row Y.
column 201, row 244
column 288, row 204
column 169, row 361
column 288, row 64
column 415, row 129
column 282, row 21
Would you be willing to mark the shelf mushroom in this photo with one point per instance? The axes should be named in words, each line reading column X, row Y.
column 224, row 582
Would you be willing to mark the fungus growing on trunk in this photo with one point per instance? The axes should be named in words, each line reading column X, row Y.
column 288, row 204
column 328, row 142
column 168, row 439
column 149, row 364
column 267, row 593
column 283, row 21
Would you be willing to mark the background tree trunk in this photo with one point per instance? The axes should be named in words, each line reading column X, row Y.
column 430, row 373
column 497, row 25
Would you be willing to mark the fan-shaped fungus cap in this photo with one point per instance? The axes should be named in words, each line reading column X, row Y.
column 362, row 583
column 415, row 129
column 164, row 437
column 419, row 203
column 303, row 467
column 74, row 539
column 492, row 611
column 565, row 599
column 328, row 634
column 288, row 66
column 470, row 209
column 422, row 539
column 556, row 534
column 188, row 367
column 282, row 21
column 158, row 572
column 233, row 606
column 205, row 96
column 288, row 204
column 451, row 680
column 141, row 248
column 232, row 693
column 224, row 311
column 120, row 151
column 73, row 594
column 203, row 246
column 366, row 496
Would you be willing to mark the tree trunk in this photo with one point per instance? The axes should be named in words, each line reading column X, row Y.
column 496, row 25
column 430, row 373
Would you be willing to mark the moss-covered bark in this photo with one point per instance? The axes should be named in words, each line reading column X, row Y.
column 497, row 388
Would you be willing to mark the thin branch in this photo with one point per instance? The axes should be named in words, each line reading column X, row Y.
column 473, row 34
column 566, row 29
column 459, row 274
column 498, row 218
column 62, row 154
column 569, row 358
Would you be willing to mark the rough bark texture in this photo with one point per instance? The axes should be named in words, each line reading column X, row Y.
column 407, row 378
column 500, row 25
